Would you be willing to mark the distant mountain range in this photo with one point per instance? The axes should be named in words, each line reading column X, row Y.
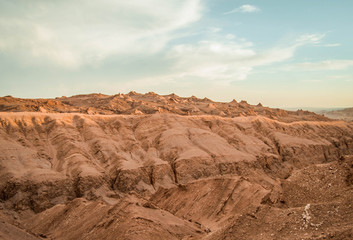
column 313, row 109
column 345, row 114
column 334, row 113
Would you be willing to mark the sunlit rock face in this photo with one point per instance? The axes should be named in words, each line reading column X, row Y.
column 145, row 166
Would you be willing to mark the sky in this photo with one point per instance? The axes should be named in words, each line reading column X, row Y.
column 282, row 53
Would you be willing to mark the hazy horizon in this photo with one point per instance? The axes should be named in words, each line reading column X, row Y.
column 286, row 54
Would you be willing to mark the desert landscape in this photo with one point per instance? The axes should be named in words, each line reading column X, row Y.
column 345, row 114
column 149, row 166
column 176, row 120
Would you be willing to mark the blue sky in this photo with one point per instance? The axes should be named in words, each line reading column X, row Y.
column 281, row 53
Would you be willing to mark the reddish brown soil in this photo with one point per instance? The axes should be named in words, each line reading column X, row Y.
column 140, row 104
column 163, row 167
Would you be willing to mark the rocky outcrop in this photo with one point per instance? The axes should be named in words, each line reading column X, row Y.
column 169, row 176
column 140, row 104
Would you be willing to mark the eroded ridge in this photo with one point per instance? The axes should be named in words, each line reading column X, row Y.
column 150, row 103
column 170, row 176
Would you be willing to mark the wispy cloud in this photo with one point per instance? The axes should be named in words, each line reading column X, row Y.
column 310, row 38
column 212, row 60
column 73, row 33
column 329, row 45
column 323, row 65
column 316, row 39
column 245, row 9
column 228, row 59
column 334, row 77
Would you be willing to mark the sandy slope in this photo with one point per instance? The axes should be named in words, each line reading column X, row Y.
column 170, row 176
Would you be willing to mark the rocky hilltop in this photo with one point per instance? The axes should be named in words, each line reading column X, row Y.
column 150, row 103
column 144, row 166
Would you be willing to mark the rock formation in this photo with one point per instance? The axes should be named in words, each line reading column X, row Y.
column 140, row 166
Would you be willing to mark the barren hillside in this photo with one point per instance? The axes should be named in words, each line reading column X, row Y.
column 141, row 104
column 345, row 114
column 140, row 166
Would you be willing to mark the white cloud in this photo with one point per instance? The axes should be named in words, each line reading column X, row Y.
column 72, row 33
column 244, row 9
column 341, row 77
column 76, row 33
column 329, row 45
column 324, row 65
column 211, row 60
column 310, row 39
column 228, row 59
